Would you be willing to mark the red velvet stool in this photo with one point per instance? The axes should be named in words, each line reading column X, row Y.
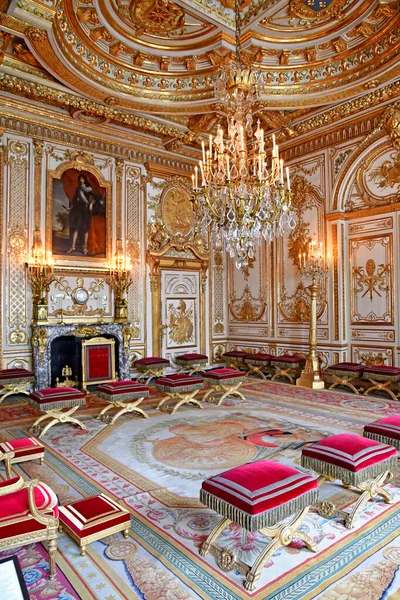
column 356, row 461
column 125, row 395
column 15, row 381
column 287, row 366
column 344, row 374
column 23, row 449
column 258, row 497
column 382, row 378
column 193, row 361
column 151, row 366
column 92, row 519
column 53, row 401
column 226, row 380
column 183, row 388
column 258, row 363
column 234, row 359
column 386, row 430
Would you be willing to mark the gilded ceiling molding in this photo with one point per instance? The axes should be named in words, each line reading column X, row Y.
column 43, row 93
column 388, row 125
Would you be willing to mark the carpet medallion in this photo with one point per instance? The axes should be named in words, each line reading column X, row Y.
column 154, row 467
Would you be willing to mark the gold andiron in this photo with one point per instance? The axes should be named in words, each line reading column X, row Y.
column 40, row 268
column 67, row 373
column 312, row 265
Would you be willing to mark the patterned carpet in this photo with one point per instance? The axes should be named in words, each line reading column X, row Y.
column 154, row 467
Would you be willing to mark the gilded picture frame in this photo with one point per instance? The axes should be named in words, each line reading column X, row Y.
column 78, row 213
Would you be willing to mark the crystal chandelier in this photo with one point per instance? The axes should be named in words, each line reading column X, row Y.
column 235, row 192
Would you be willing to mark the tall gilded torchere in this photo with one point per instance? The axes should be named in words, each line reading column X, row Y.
column 40, row 267
column 312, row 265
column 120, row 278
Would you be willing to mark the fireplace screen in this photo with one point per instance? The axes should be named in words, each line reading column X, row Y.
column 98, row 361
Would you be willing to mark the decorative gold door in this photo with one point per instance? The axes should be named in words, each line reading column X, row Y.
column 180, row 312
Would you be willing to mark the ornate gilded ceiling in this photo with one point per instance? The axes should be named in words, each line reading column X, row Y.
column 160, row 57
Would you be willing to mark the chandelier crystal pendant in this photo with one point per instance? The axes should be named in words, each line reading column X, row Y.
column 236, row 193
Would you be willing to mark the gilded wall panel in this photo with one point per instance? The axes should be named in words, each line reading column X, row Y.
column 218, row 298
column 18, row 173
column 79, row 296
column 373, row 335
column 371, row 280
column 309, row 204
column 248, row 289
column 372, row 355
column 371, row 226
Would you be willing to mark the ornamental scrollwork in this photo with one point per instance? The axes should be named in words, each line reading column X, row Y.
column 371, row 280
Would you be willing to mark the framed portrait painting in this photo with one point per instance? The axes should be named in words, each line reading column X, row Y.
column 78, row 213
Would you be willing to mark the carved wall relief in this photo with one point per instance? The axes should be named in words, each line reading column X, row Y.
column 248, row 290
column 308, row 203
column 371, row 280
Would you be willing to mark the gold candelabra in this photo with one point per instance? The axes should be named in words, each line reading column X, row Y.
column 40, row 267
column 312, row 265
column 120, row 277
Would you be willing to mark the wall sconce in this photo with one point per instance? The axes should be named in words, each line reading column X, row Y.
column 120, row 278
column 40, row 268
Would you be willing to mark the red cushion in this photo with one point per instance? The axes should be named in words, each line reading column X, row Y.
column 23, row 447
column 235, row 354
column 349, row 451
column 123, row 387
column 347, row 367
column 92, row 515
column 261, row 356
column 56, row 395
column 382, row 370
column 259, row 486
column 192, row 356
column 16, row 506
column 179, row 380
column 389, row 427
column 152, row 360
column 223, row 374
column 15, row 374
column 288, row 358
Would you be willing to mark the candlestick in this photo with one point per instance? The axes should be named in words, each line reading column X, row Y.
column 288, row 178
column 203, row 147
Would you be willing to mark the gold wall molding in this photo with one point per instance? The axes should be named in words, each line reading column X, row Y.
column 37, row 177
column 135, row 214
column 373, row 335
column 335, row 258
column 371, row 226
column 2, row 151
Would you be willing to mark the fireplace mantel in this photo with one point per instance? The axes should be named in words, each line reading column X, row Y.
column 44, row 334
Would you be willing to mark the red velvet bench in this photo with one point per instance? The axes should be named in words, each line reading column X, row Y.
column 179, row 387
column 92, row 519
column 151, row 366
column 386, row 431
column 227, row 381
column 53, row 401
column 234, row 359
column 258, row 363
column 344, row 374
column 23, row 449
column 125, row 395
column 258, row 496
column 15, row 381
column 193, row 361
column 363, row 463
column 287, row 366
column 382, row 378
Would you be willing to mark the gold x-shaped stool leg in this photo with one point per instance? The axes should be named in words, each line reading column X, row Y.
column 255, row 369
column 125, row 406
column 228, row 391
column 345, row 381
column 282, row 534
column 283, row 373
column 378, row 385
column 184, row 399
column 57, row 416
column 368, row 489
column 150, row 374
column 9, row 389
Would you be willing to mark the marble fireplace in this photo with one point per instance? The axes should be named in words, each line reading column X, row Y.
column 54, row 345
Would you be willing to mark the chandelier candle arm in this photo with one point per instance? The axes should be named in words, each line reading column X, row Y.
column 120, row 278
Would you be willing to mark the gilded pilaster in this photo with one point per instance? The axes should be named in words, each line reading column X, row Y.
column 335, row 249
column 2, row 151
column 119, row 171
column 37, row 177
